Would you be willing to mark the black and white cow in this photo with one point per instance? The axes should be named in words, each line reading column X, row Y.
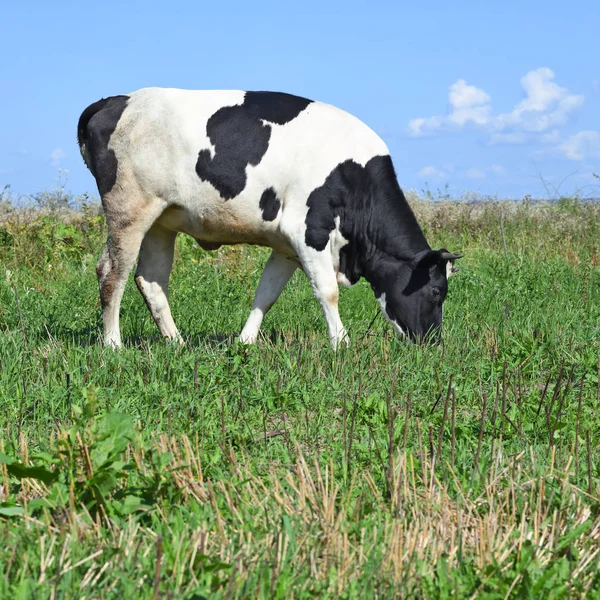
column 307, row 179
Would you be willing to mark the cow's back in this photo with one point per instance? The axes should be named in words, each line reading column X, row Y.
column 171, row 129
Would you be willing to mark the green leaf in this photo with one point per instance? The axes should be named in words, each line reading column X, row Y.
column 133, row 504
column 38, row 503
column 7, row 460
column 46, row 457
column 59, row 495
column 117, row 466
column 115, row 431
column 209, row 566
column 11, row 510
column 571, row 535
column 21, row 471
column 165, row 459
column 104, row 481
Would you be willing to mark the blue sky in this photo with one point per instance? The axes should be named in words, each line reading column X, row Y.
column 497, row 98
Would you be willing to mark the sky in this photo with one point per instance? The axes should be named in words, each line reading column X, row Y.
column 495, row 98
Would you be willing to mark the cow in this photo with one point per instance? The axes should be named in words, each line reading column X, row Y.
column 308, row 180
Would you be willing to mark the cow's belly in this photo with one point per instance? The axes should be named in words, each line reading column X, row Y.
column 226, row 225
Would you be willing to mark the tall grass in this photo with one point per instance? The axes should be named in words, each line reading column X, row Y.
column 284, row 470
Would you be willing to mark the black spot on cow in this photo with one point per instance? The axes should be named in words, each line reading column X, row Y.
column 241, row 138
column 269, row 204
column 275, row 107
column 96, row 125
column 374, row 216
column 342, row 189
column 348, row 264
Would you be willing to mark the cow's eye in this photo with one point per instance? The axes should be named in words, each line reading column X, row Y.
column 436, row 293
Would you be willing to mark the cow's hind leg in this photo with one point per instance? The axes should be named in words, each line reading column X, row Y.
column 127, row 226
column 152, row 277
column 276, row 274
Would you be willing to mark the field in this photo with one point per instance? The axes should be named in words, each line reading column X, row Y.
column 214, row 470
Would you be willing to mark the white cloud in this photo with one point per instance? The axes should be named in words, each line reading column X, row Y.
column 465, row 96
column 540, row 89
column 431, row 172
column 596, row 85
column 469, row 104
column 581, row 145
column 56, row 156
column 418, row 127
column 475, row 174
column 546, row 106
column 498, row 170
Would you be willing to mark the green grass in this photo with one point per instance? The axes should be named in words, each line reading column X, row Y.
column 285, row 470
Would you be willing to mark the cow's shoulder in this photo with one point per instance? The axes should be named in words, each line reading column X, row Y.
column 350, row 191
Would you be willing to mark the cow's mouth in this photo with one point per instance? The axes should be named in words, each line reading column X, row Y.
column 431, row 337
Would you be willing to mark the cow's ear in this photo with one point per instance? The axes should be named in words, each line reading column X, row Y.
column 449, row 256
column 426, row 258
column 448, row 259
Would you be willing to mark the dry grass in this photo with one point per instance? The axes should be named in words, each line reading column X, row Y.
column 426, row 520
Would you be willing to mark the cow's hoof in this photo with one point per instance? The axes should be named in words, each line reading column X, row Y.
column 112, row 343
column 341, row 341
column 248, row 340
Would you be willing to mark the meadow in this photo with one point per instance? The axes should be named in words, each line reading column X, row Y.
column 388, row 470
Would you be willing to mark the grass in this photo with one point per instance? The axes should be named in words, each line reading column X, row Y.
column 284, row 470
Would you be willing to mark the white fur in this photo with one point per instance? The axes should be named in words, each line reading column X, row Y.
column 276, row 274
column 397, row 328
column 337, row 242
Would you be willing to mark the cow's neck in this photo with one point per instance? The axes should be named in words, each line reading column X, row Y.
column 383, row 230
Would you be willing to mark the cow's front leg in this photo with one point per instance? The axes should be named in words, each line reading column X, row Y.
column 276, row 274
column 319, row 269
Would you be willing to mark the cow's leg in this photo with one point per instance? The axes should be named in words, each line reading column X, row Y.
column 127, row 226
column 113, row 269
column 276, row 274
column 152, row 277
column 319, row 269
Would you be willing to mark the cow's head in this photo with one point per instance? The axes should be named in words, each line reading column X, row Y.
column 411, row 293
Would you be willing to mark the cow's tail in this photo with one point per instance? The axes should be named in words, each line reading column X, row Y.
column 82, row 131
